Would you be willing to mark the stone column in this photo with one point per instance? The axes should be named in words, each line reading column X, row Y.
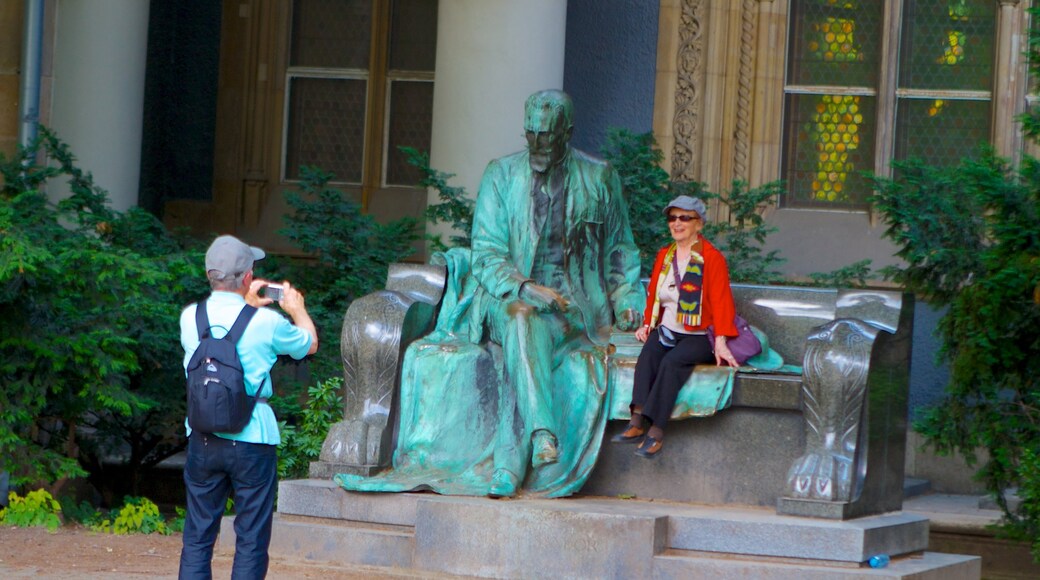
column 491, row 54
column 98, row 91
column 768, row 99
column 1009, row 43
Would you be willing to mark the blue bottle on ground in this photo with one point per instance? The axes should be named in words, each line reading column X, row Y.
column 879, row 561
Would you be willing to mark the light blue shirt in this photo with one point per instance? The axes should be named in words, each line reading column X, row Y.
column 268, row 335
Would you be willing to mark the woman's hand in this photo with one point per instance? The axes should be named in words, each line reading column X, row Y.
column 642, row 333
column 722, row 353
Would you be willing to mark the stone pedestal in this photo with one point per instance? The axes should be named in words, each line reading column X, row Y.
column 591, row 537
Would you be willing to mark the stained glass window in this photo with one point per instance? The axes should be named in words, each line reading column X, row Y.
column 941, row 131
column 945, row 75
column 832, row 137
column 940, row 106
column 835, row 42
column 331, row 33
column 411, row 121
column 948, row 44
column 829, row 136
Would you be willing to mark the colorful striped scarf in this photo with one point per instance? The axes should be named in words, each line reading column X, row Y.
column 689, row 310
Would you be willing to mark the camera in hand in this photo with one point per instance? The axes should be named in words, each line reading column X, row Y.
column 274, row 292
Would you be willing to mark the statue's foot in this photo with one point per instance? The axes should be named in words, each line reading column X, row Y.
column 503, row 484
column 544, row 449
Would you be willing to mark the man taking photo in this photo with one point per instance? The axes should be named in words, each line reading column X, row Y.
column 242, row 465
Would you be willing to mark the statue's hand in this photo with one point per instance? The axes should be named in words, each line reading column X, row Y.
column 629, row 320
column 542, row 297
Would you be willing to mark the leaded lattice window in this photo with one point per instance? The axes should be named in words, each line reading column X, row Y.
column 842, row 119
column 358, row 86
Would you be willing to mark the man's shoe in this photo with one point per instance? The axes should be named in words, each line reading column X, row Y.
column 649, row 448
column 631, row 435
column 544, row 449
column 503, row 484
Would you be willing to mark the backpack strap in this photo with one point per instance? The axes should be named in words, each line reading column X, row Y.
column 239, row 327
column 201, row 320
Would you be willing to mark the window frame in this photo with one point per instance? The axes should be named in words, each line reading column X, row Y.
column 379, row 78
column 292, row 73
column 888, row 95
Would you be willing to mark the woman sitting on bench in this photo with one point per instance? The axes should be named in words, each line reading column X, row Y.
column 689, row 291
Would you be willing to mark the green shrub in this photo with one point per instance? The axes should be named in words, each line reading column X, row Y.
column 138, row 515
column 301, row 444
column 82, row 513
column 852, row 276
column 971, row 243
column 90, row 299
column 742, row 239
column 351, row 253
column 648, row 188
column 37, row 508
column 455, row 208
column 176, row 524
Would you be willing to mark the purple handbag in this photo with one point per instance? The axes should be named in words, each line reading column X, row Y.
column 743, row 346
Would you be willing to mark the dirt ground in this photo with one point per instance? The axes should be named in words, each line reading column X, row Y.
column 77, row 552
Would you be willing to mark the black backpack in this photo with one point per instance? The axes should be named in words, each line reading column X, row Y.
column 217, row 397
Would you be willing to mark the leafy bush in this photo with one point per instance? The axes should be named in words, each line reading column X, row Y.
column 302, row 444
column 742, row 239
column 351, row 254
column 176, row 524
column 37, row 508
column 138, row 515
column 455, row 208
column 971, row 244
column 90, row 299
column 648, row 189
column 82, row 513
column 852, row 276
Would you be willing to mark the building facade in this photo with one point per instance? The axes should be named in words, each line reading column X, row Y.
column 206, row 112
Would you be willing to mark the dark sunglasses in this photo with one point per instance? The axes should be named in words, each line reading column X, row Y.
column 683, row 218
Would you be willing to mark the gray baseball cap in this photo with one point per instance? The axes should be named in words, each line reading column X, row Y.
column 231, row 257
column 689, row 204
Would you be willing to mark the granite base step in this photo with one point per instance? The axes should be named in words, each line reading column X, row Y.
column 591, row 537
column 686, row 565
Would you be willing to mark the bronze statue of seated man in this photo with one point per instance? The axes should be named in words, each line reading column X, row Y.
column 509, row 391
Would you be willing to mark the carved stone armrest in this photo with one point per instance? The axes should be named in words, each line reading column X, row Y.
column 834, row 382
column 377, row 328
column 854, row 388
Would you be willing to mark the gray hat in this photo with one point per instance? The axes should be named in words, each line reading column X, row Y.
column 230, row 257
column 689, row 204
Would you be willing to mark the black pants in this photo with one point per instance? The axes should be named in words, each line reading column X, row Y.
column 661, row 372
column 215, row 469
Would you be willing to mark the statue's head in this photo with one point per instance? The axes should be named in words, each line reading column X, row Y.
column 548, row 121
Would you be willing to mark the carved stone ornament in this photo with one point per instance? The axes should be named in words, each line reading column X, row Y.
column 689, row 91
column 837, row 362
column 374, row 328
column 745, row 88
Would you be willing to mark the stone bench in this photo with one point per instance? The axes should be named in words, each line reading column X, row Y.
column 828, row 442
column 842, row 405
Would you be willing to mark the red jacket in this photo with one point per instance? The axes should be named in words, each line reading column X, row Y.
column 717, row 299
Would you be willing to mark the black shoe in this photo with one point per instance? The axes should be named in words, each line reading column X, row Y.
column 631, row 435
column 649, row 448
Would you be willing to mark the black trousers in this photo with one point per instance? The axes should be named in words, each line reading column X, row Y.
column 661, row 372
column 217, row 468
